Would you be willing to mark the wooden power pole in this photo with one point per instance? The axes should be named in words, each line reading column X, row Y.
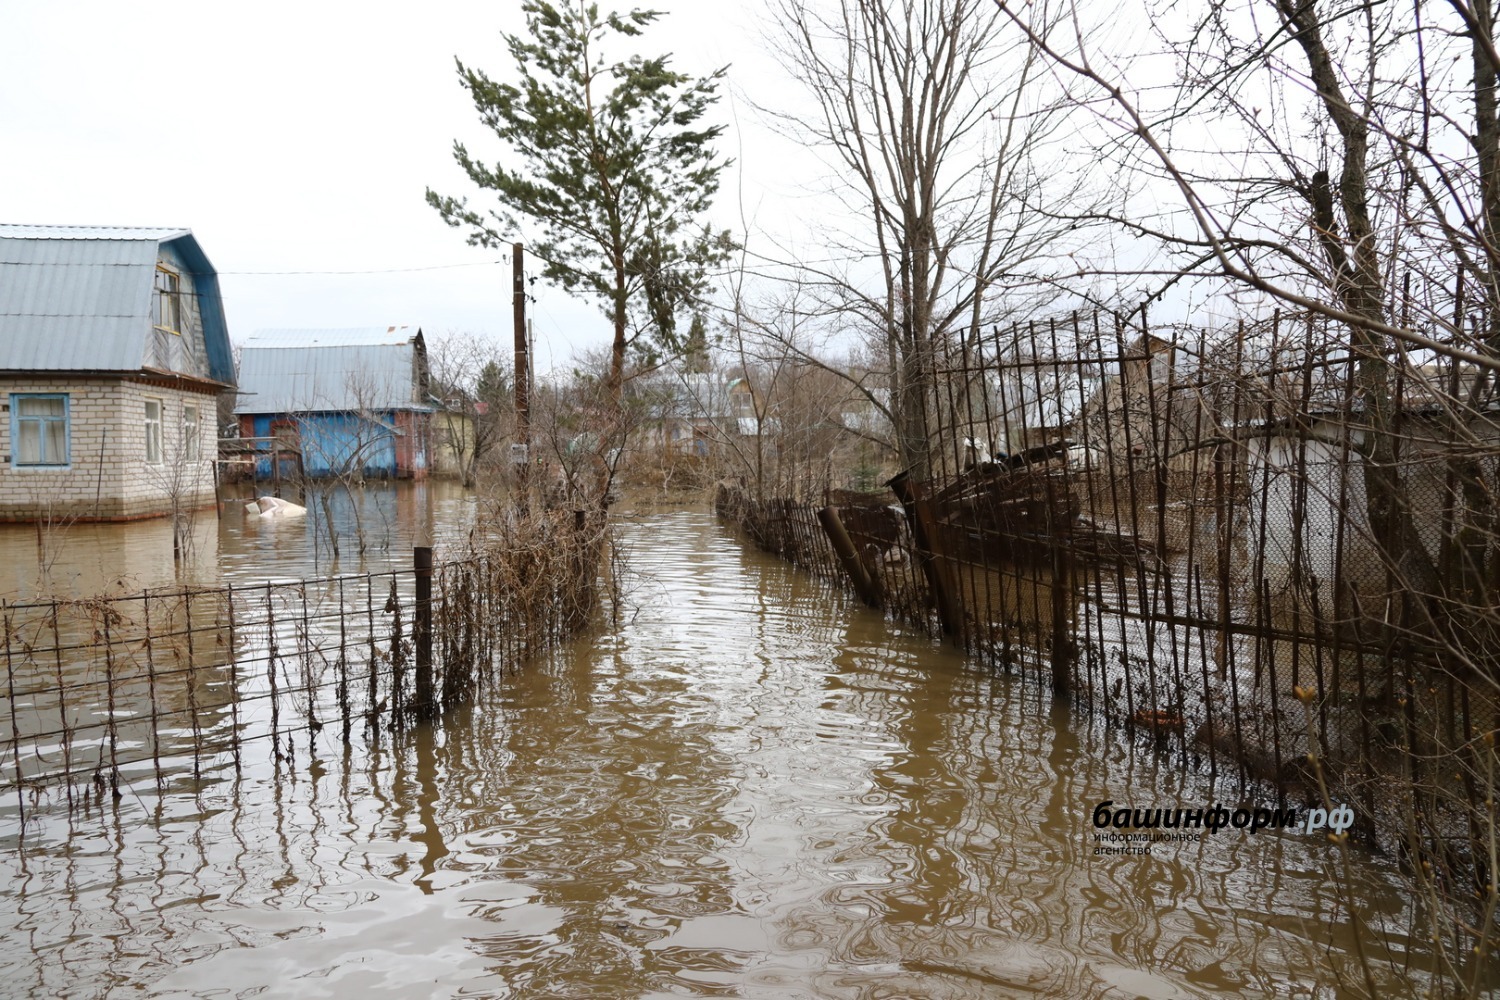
column 523, row 370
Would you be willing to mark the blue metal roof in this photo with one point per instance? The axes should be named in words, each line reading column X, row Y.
column 78, row 298
column 311, row 371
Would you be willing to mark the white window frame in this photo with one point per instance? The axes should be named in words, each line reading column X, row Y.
column 166, row 300
column 192, row 433
column 153, row 429
column 17, row 418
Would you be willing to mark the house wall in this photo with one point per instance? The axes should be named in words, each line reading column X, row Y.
column 108, row 476
column 452, row 440
column 184, row 351
column 413, row 446
column 335, row 444
column 1294, row 480
column 683, row 435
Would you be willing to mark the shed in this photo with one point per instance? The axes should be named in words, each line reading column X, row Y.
column 355, row 402
column 1307, row 476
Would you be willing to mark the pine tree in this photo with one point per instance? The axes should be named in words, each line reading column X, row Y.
column 611, row 159
column 695, row 357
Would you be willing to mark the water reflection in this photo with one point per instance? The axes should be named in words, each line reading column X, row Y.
column 751, row 790
column 232, row 546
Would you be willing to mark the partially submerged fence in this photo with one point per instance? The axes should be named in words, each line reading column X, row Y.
column 1239, row 541
column 104, row 692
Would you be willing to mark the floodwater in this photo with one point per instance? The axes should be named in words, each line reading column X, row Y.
column 233, row 546
column 751, row 788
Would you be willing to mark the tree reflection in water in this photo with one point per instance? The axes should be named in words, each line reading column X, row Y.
column 754, row 788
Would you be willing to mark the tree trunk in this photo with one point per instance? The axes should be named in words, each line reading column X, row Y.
column 1360, row 288
column 617, row 348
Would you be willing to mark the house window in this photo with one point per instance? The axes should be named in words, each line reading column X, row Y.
column 39, row 429
column 153, row 432
column 190, row 433
column 165, row 304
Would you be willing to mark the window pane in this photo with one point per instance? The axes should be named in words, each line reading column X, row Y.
column 28, row 442
column 55, row 442
column 190, row 433
column 164, row 302
column 40, row 429
column 153, row 431
column 33, row 406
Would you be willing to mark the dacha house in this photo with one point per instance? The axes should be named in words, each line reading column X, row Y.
column 113, row 350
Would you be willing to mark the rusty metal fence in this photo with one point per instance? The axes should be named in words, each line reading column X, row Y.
column 1239, row 541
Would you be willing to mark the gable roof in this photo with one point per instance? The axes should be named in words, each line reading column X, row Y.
column 361, row 336
column 78, row 298
column 312, row 371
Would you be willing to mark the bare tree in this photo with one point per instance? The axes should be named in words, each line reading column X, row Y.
column 579, row 429
column 933, row 123
column 1343, row 160
column 472, row 388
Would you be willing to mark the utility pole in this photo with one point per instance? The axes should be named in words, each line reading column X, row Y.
column 521, row 453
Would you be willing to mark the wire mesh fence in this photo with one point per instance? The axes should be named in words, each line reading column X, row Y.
column 103, row 692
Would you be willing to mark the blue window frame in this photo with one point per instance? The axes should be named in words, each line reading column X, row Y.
column 38, row 430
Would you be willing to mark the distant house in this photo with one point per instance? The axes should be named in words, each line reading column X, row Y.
column 866, row 415
column 113, row 348
column 354, row 402
column 687, row 413
column 1035, row 405
column 1155, row 409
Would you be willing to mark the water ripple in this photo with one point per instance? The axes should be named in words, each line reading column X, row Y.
column 752, row 790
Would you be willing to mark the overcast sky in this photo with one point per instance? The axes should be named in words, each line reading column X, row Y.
column 299, row 137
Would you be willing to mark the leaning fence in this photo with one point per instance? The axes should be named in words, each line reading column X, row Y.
column 105, row 692
column 1263, row 551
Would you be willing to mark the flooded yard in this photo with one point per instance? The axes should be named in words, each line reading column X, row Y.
column 752, row 787
column 70, row 560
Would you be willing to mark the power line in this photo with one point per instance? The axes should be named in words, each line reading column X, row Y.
column 378, row 270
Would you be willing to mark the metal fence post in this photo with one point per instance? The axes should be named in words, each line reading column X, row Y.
column 843, row 547
column 422, row 629
column 930, row 554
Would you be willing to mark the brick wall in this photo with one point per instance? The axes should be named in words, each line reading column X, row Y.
column 107, row 476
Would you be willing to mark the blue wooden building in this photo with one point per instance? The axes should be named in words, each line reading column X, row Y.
column 353, row 402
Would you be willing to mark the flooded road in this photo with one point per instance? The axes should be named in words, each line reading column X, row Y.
column 751, row 788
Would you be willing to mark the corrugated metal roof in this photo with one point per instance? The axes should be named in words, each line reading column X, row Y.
column 78, row 298
column 365, row 336
column 302, row 371
column 160, row 234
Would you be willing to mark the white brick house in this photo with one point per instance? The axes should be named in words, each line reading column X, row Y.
column 113, row 349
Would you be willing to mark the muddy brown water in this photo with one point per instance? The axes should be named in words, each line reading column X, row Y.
column 752, row 787
column 79, row 560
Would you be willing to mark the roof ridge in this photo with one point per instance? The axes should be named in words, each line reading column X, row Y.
column 76, row 225
column 46, row 230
